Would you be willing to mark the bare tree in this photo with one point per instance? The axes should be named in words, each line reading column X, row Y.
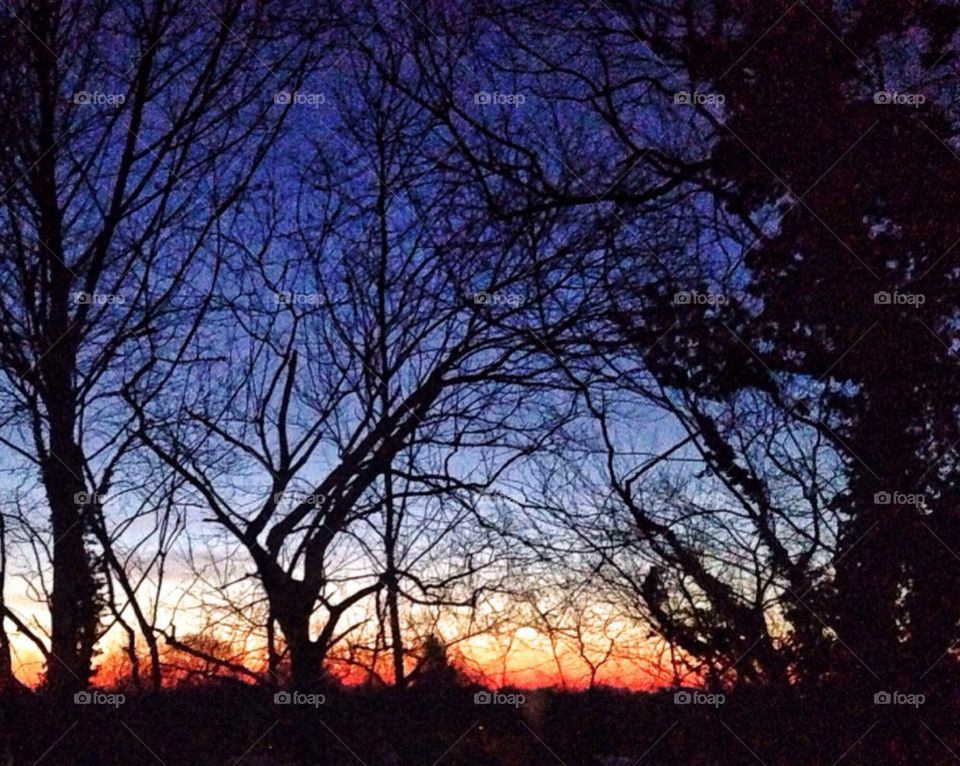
column 611, row 147
column 359, row 341
column 140, row 129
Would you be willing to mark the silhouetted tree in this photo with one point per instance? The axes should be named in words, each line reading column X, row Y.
column 127, row 113
column 375, row 320
column 836, row 140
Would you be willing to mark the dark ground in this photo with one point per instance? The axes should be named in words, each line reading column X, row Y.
column 237, row 724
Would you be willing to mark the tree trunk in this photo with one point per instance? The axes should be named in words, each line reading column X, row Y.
column 7, row 679
column 306, row 656
column 393, row 586
column 73, row 602
column 306, row 672
column 396, row 634
column 73, row 607
column 306, row 663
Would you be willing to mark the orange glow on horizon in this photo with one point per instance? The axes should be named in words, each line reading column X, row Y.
column 527, row 662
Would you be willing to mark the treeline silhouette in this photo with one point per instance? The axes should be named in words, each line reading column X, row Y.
column 232, row 722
